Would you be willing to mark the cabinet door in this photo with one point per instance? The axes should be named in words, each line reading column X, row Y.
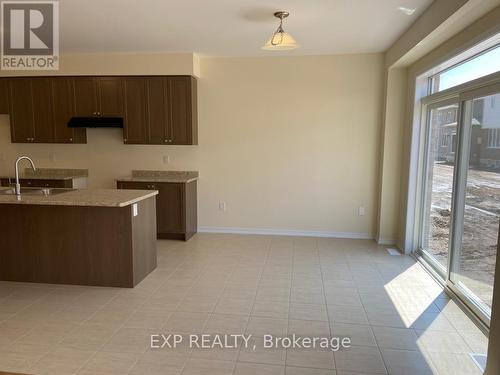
column 135, row 100
column 110, row 95
column 43, row 119
column 21, row 110
column 157, row 110
column 179, row 107
column 64, row 109
column 4, row 96
column 170, row 217
column 85, row 96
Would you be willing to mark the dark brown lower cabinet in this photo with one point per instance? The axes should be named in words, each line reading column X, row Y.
column 176, row 207
column 36, row 182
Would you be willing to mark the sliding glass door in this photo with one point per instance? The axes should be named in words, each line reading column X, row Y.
column 439, row 167
column 460, row 208
column 477, row 200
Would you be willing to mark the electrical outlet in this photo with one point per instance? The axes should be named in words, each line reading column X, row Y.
column 222, row 206
column 166, row 159
column 361, row 211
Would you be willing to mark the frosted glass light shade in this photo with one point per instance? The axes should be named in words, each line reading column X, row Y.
column 282, row 42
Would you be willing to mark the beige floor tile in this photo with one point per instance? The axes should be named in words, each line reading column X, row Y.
column 442, row 342
column 197, row 366
column 308, row 328
column 265, row 293
column 197, row 303
column 259, row 326
column 186, row 322
column 396, row 338
column 257, row 368
column 403, row 362
column 360, row 359
column 257, row 353
column 290, row 370
column 104, row 363
column 315, row 358
column 61, row 361
column 223, row 323
column 129, row 340
column 454, row 364
column 147, row 317
column 303, row 311
column 233, row 306
column 358, row 334
column 16, row 360
column 304, row 295
column 88, row 337
column 271, row 309
column 347, row 314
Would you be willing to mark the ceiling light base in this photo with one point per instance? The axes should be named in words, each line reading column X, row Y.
column 281, row 14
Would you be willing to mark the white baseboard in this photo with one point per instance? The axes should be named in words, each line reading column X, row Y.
column 386, row 241
column 286, row 232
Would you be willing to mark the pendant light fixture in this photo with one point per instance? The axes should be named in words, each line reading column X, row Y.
column 281, row 40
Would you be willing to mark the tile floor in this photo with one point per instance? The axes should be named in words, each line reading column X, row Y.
column 397, row 317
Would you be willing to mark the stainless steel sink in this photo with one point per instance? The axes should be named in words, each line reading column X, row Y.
column 35, row 191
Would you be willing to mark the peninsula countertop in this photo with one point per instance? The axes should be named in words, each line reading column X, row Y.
column 161, row 176
column 81, row 197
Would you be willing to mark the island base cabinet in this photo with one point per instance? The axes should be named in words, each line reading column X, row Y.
column 100, row 246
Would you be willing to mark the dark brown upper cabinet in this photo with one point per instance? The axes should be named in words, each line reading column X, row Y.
column 4, row 96
column 64, row 110
column 182, row 111
column 155, row 109
column 98, row 96
column 171, row 111
column 40, row 109
column 21, row 110
column 135, row 128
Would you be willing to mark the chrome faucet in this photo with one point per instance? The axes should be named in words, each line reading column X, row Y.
column 18, row 185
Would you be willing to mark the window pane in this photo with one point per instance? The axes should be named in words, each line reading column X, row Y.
column 480, row 66
column 474, row 269
column 439, row 182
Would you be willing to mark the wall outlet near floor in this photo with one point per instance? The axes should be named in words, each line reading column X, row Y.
column 222, row 206
column 166, row 159
column 361, row 211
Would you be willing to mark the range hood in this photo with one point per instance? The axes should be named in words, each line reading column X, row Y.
column 95, row 122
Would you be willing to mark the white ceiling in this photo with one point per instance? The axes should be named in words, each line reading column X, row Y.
column 232, row 27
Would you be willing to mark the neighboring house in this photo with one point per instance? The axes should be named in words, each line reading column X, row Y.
column 485, row 136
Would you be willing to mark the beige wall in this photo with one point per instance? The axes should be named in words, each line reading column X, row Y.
column 390, row 162
column 289, row 143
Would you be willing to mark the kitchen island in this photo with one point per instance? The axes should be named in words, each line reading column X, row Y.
column 102, row 237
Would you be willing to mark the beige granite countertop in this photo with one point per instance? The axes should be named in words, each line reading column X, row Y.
column 161, row 176
column 51, row 174
column 82, row 197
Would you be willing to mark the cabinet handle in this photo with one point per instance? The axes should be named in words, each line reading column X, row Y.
column 47, row 185
column 71, row 139
column 98, row 113
column 124, row 139
column 166, row 140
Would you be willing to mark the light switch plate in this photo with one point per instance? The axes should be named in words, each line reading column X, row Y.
column 135, row 210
